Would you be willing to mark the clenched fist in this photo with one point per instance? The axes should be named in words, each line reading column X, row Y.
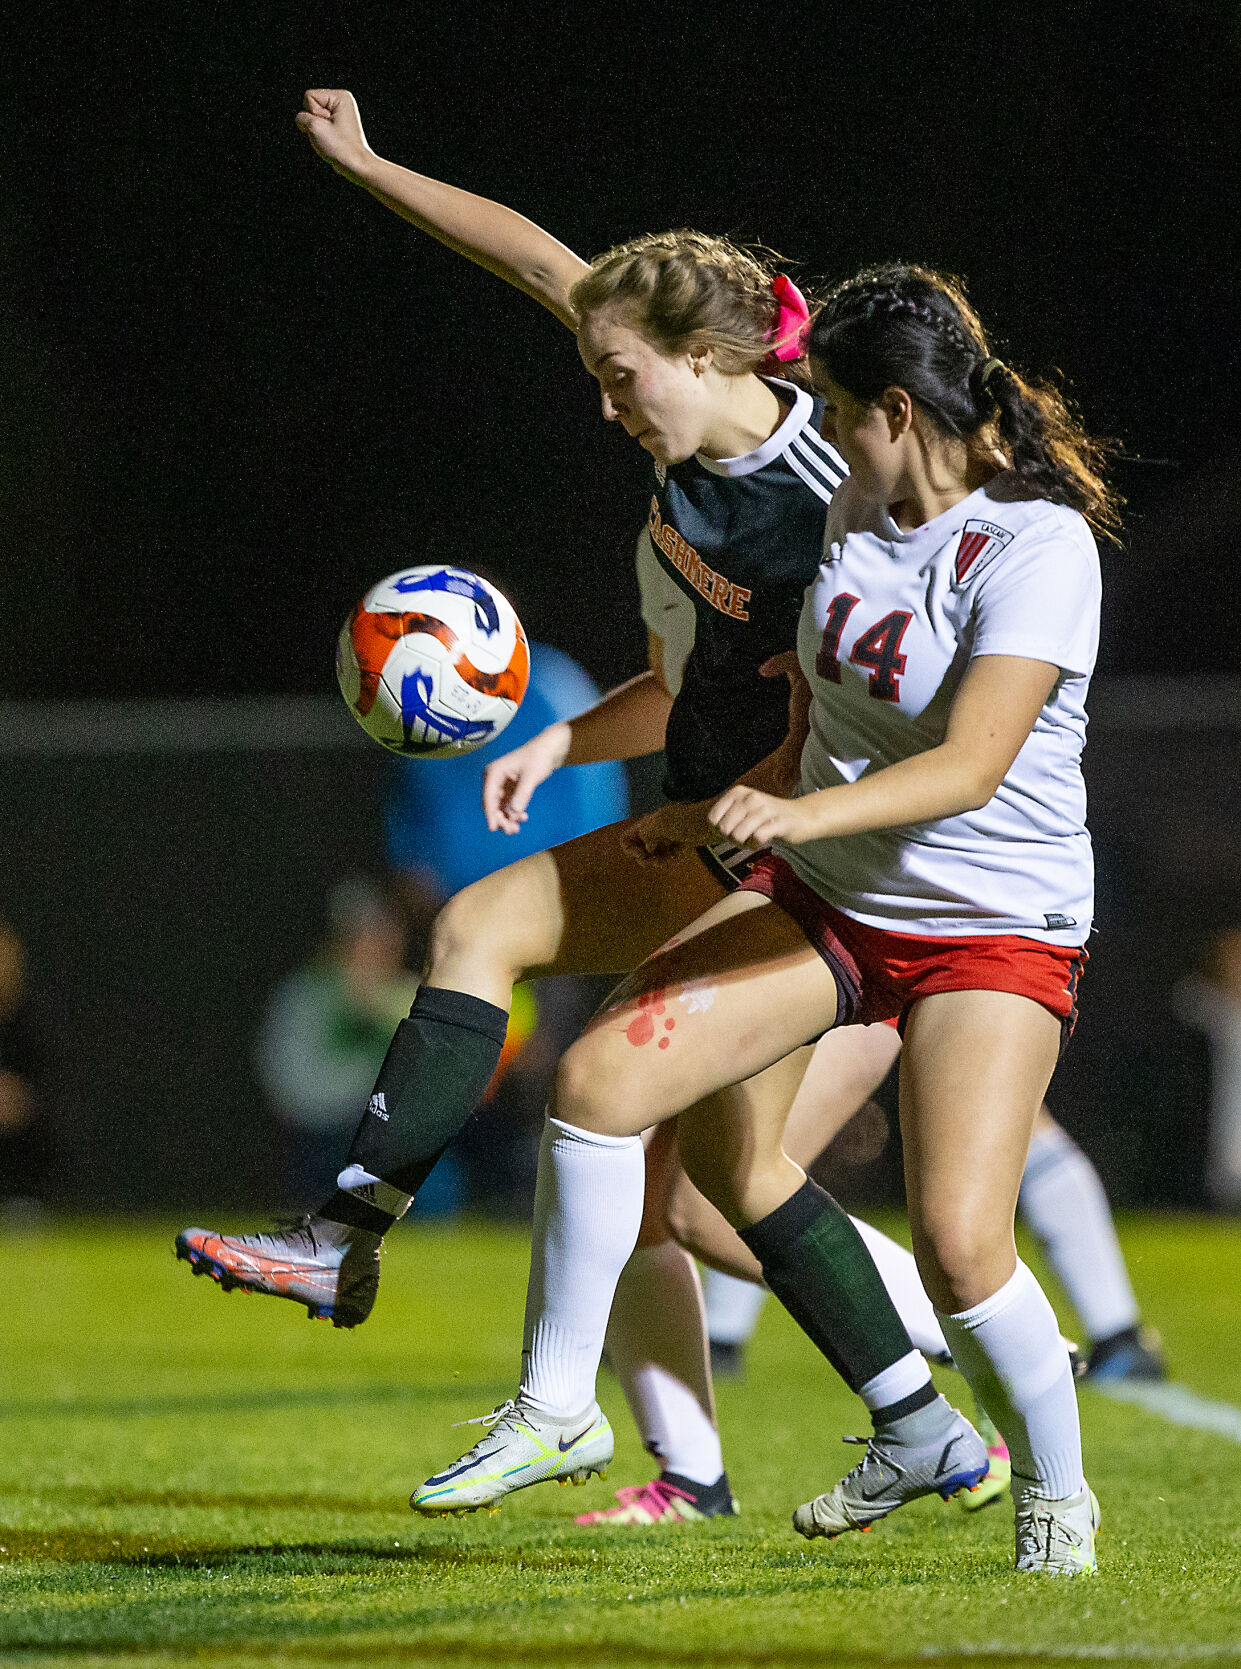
column 331, row 122
column 663, row 835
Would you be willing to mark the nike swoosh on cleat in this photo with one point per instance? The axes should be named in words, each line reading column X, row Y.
column 565, row 1447
column 948, row 1448
column 882, row 1490
column 443, row 1477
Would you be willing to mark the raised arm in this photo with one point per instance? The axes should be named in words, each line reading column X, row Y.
column 487, row 233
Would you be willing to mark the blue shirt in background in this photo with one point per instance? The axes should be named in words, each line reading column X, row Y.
column 434, row 823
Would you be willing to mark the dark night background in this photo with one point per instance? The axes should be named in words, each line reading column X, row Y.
column 237, row 391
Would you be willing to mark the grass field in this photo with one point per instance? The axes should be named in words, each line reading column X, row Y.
column 188, row 1478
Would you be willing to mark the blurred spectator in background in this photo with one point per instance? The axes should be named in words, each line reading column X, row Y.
column 25, row 1132
column 438, row 842
column 1211, row 1003
column 326, row 1031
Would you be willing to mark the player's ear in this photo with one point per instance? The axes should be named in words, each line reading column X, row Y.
column 898, row 409
column 701, row 357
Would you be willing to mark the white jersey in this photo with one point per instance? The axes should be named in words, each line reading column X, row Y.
column 887, row 631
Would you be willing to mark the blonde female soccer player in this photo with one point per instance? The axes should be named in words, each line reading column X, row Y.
column 681, row 332
column 935, row 867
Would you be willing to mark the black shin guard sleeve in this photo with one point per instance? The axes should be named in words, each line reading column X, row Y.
column 816, row 1263
column 435, row 1073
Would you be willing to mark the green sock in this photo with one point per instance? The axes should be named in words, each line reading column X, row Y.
column 816, row 1263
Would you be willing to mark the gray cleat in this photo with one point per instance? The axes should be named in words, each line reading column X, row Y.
column 332, row 1270
column 890, row 1474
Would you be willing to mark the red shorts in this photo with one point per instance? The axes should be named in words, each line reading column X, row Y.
column 879, row 975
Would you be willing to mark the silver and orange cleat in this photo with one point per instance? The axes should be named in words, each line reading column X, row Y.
column 331, row 1269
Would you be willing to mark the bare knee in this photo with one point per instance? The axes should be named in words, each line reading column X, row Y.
column 716, row 1173
column 683, row 1214
column 455, row 924
column 742, row 1185
column 963, row 1257
column 586, row 1093
column 474, row 926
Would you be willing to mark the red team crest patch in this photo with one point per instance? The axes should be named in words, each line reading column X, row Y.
column 980, row 543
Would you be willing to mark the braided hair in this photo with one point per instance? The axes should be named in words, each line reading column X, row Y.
column 899, row 326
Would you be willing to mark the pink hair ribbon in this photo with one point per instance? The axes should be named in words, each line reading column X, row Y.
column 788, row 334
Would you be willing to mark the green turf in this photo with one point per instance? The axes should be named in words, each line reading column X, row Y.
column 187, row 1478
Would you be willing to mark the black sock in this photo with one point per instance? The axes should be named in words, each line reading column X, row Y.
column 710, row 1499
column 816, row 1263
column 923, row 1397
column 1101, row 1349
column 435, row 1073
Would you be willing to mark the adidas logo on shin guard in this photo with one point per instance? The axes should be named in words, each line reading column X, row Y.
column 378, row 1106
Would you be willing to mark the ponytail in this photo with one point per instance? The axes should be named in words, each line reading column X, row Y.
column 1049, row 451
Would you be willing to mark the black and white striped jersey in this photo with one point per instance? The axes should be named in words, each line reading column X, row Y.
column 732, row 544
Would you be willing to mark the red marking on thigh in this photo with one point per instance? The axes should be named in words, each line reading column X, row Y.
column 641, row 1029
column 669, row 1025
column 664, row 1042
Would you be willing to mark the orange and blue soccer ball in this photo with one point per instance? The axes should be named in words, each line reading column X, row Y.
column 433, row 661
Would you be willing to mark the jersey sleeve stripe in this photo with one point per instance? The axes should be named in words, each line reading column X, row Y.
column 819, row 467
column 822, row 488
column 819, row 461
column 817, row 444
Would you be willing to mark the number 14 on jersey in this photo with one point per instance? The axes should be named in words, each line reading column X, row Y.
column 878, row 649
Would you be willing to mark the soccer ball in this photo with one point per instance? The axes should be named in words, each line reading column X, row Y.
column 433, row 661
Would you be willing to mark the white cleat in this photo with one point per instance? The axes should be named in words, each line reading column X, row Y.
column 1055, row 1538
column 521, row 1448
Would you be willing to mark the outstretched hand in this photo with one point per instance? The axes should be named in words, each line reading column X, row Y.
column 510, row 781
column 330, row 120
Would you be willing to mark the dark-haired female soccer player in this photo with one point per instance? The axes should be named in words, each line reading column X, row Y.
column 935, row 866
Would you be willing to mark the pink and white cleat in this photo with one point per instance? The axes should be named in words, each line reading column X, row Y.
column 999, row 1468
column 668, row 1499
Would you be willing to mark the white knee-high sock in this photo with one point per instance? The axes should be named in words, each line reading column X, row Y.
column 900, row 1275
column 1010, row 1350
column 587, row 1213
column 1063, row 1201
column 733, row 1307
column 658, row 1345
